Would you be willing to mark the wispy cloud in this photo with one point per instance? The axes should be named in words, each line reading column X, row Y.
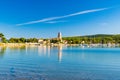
column 38, row 21
column 53, row 22
column 49, row 20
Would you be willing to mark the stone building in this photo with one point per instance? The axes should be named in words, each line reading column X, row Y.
column 60, row 36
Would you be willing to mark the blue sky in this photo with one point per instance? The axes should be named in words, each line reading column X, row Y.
column 45, row 18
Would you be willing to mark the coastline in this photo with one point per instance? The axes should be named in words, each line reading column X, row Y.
column 56, row 45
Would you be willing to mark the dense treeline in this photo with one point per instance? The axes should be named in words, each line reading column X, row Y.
column 23, row 40
column 2, row 38
column 17, row 40
column 104, row 39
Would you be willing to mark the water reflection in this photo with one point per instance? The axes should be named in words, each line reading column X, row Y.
column 2, row 51
column 19, row 48
column 44, row 50
column 77, row 63
column 41, row 50
column 47, row 51
column 59, row 53
column 83, row 55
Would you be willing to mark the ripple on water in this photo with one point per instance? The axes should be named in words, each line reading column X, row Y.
column 76, row 64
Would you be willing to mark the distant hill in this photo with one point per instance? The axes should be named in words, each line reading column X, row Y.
column 99, row 35
column 97, row 38
column 96, row 35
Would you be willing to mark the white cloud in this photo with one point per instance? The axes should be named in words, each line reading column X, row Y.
column 53, row 22
column 38, row 21
column 49, row 20
column 84, row 12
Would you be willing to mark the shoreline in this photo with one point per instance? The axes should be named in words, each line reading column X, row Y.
column 56, row 45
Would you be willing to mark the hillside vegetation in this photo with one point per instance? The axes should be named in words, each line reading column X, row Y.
column 99, row 38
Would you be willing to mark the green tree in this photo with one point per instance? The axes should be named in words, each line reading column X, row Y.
column 2, row 38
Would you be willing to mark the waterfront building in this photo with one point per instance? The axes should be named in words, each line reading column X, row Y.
column 40, row 41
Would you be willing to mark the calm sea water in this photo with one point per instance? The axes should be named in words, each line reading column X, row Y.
column 59, row 63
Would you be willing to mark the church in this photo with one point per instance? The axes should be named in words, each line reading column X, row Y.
column 59, row 37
